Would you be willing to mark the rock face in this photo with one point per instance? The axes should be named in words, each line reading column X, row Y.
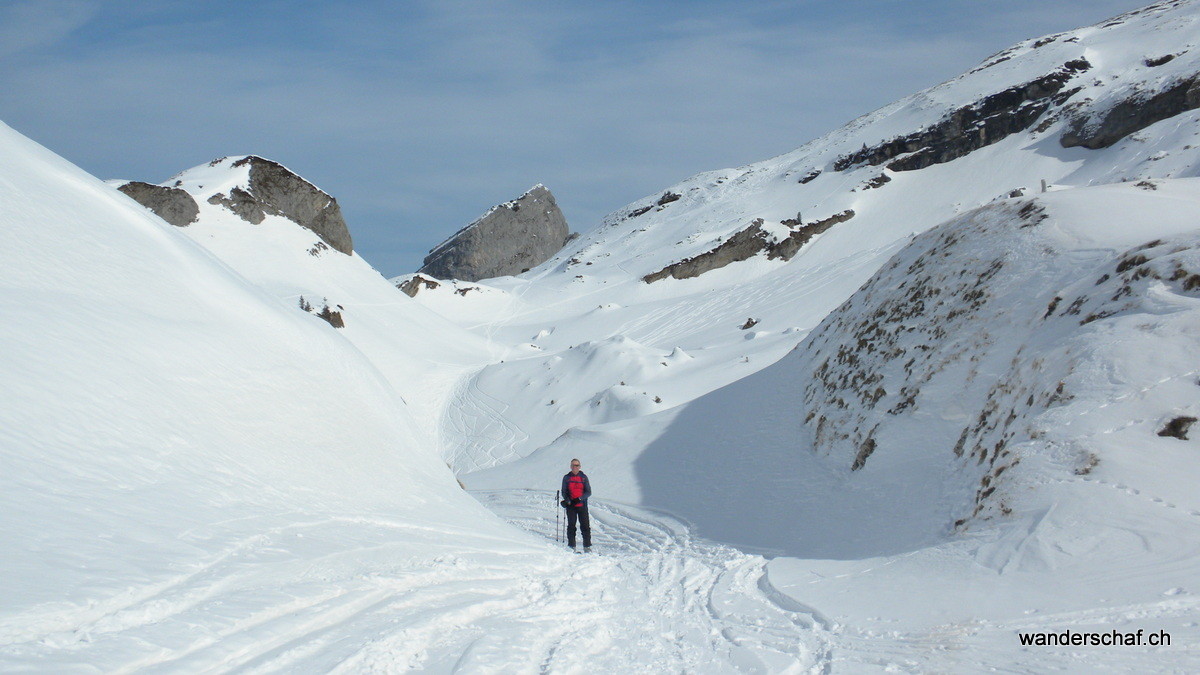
column 974, row 126
column 1133, row 114
column 275, row 190
column 509, row 239
column 748, row 243
column 171, row 204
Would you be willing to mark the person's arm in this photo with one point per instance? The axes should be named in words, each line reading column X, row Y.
column 587, row 487
column 565, row 494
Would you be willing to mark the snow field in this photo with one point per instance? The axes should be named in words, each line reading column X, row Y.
column 181, row 451
column 1101, row 527
column 196, row 476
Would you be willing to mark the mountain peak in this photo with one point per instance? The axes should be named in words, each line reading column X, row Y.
column 510, row 238
column 252, row 187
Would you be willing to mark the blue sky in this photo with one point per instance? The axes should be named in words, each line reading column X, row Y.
column 418, row 116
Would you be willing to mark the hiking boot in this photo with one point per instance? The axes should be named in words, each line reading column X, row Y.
column 587, row 549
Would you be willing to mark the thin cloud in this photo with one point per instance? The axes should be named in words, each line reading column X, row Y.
column 26, row 26
column 418, row 116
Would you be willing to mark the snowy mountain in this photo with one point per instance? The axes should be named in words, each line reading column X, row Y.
column 261, row 232
column 784, row 242
column 986, row 359
column 169, row 429
column 938, row 364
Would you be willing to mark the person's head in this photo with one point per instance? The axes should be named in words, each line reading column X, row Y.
column 575, row 466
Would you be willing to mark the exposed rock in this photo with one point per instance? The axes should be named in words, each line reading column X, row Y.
column 509, row 239
column 1132, row 114
column 331, row 316
column 275, row 190
column 667, row 198
column 864, row 451
column 1161, row 60
column 416, row 283
column 171, row 204
column 750, row 323
column 743, row 245
column 878, row 181
column 790, row 246
column 971, row 127
column 746, row 244
column 1177, row 428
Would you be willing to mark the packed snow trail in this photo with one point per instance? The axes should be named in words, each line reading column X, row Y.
column 353, row 595
column 650, row 597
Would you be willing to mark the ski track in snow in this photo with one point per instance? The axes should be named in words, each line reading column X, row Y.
column 651, row 598
column 654, row 597
column 478, row 421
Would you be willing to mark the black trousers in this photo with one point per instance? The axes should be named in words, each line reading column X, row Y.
column 579, row 513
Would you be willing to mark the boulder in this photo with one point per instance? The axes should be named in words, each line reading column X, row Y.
column 509, row 239
column 171, row 204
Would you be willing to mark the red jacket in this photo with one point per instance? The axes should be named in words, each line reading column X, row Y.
column 576, row 486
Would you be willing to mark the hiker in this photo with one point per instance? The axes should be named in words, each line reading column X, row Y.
column 575, row 490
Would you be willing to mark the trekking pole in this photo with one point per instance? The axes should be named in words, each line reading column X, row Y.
column 557, row 516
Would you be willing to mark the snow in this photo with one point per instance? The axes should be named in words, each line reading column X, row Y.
column 169, row 432
column 942, row 428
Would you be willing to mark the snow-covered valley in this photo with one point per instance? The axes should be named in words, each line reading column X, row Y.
column 882, row 403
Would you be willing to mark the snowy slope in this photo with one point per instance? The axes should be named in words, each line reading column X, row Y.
column 971, row 415
column 182, row 454
column 195, row 476
column 414, row 348
column 1013, row 369
column 593, row 296
column 940, row 411
column 1029, row 419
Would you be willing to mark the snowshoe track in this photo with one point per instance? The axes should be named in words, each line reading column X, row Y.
column 653, row 597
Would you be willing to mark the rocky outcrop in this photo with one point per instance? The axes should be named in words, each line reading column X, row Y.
column 666, row 198
column 171, row 204
column 275, row 190
column 748, row 243
column 511, row 238
column 743, row 245
column 413, row 285
column 971, row 127
column 1132, row 115
column 330, row 315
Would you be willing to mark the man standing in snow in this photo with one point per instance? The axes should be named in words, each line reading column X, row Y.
column 576, row 489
